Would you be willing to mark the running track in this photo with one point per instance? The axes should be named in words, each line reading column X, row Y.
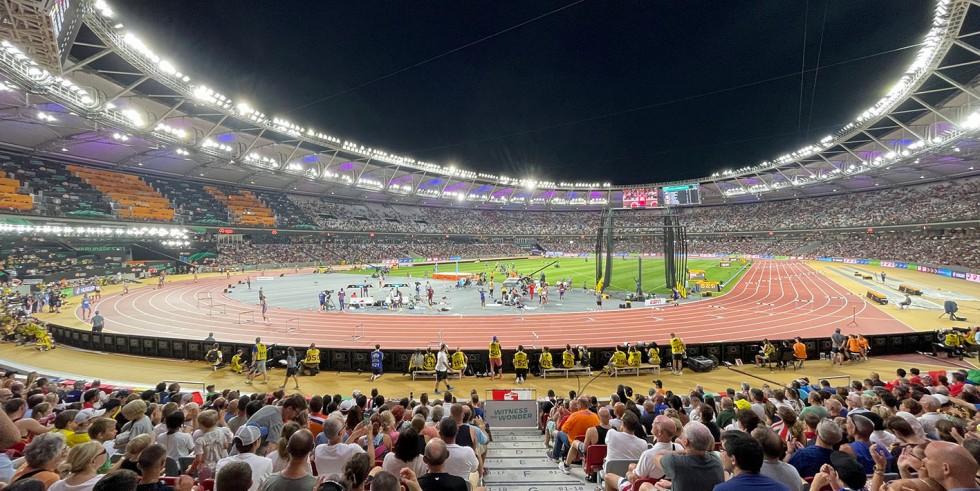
column 775, row 299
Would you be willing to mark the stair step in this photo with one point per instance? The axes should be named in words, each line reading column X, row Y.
column 518, row 462
column 522, row 475
column 526, row 486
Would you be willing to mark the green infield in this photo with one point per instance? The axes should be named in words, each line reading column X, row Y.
column 581, row 271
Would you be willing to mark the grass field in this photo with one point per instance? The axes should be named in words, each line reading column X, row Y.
column 581, row 270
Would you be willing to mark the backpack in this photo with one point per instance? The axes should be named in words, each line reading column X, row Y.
column 212, row 356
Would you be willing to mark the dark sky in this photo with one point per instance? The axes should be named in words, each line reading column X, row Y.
column 620, row 91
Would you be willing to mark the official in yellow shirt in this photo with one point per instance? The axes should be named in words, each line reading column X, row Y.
column 545, row 361
column 311, row 362
column 458, row 361
column 634, row 357
column 568, row 357
column 520, row 365
column 677, row 352
column 496, row 360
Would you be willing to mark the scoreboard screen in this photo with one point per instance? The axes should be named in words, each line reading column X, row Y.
column 688, row 194
column 66, row 20
column 641, row 198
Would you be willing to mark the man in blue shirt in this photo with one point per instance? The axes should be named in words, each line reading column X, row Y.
column 742, row 457
column 377, row 357
column 809, row 460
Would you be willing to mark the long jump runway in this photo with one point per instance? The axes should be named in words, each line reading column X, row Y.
column 775, row 299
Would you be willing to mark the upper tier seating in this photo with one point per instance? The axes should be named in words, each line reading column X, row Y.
column 288, row 215
column 194, row 205
column 244, row 206
column 55, row 191
column 134, row 198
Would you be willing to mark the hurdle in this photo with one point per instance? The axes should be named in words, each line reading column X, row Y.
column 292, row 325
column 203, row 298
column 357, row 333
column 437, row 343
column 246, row 316
column 714, row 309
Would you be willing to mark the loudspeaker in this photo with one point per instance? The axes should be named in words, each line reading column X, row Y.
column 163, row 348
column 699, row 363
column 97, row 341
column 150, row 347
column 122, row 344
column 339, row 360
column 180, row 349
column 713, row 350
column 401, row 359
column 195, row 350
column 361, row 361
column 86, row 340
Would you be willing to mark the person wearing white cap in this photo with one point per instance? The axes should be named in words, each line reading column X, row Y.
column 246, row 442
column 83, row 420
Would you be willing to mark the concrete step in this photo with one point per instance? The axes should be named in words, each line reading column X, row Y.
column 541, row 487
column 525, row 475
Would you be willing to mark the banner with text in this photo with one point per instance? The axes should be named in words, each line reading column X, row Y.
column 511, row 414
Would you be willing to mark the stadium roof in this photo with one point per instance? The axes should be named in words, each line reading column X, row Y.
column 115, row 103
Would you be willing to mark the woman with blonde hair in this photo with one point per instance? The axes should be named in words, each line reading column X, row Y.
column 280, row 456
column 131, row 456
column 85, row 460
column 211, row 443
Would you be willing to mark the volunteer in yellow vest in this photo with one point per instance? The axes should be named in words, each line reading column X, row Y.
column 677, row 351
column 496, row 360
column 259, row 356
column 311, row 362
column 429, row 360
column 634, row 357
column 545, row 361
column 618, row 358
column 766, row 352
column 568, row 357
column 458, row 361
column 653, row 355
column 520, row 365
column 236, row 362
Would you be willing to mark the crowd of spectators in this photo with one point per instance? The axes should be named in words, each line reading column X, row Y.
column 85, row 436
column 917, row 430
column 947, row 248
column 353, row 251
column 930, row 203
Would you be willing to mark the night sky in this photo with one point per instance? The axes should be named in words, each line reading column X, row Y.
column 620, row 91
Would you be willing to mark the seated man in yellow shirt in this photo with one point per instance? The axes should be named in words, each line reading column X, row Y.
column 634, row 357
column 545, row 361
column 311, row 362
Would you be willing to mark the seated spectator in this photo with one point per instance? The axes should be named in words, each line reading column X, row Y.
column 248, row 439
column 331, row 456
column 437, row 478
column 234, row 475
column 742, row 456
column 774, row 449
column 152, row 463
column 297, row 473
column 809, row 460
column 696, row 468
column 84, row 462
column 406, row 454
column 42, row 457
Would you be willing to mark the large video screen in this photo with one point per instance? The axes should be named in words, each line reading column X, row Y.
column 641, row 198
column 688, row 194
column 66, row 19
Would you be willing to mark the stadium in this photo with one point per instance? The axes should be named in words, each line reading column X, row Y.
column 190, row 224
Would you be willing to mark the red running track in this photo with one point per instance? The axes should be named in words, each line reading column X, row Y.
column 775, row 299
